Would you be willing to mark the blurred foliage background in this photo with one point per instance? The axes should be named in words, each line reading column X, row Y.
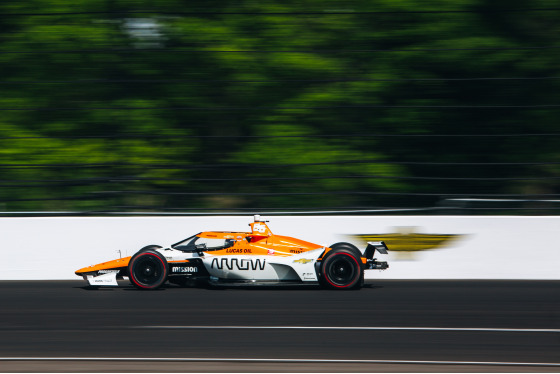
column 174, row 106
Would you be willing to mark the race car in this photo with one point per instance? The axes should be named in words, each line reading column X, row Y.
column 241, row 258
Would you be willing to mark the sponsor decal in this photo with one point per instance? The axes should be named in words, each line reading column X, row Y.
column 185, row 269
column 309, row 276
column 303, row 261
column 407, row 240
column 108, row 271
column 239, row 264
column 239, row 250
column 296, row 251
column 271, row 252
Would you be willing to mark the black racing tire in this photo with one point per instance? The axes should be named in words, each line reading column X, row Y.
column 348, row 246
column 342, row 269
column 148, row 270
column 151, row 247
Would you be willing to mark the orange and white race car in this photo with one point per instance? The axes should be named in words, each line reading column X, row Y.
column 241, row 258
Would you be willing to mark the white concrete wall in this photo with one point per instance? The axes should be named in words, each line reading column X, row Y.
column 489, row 248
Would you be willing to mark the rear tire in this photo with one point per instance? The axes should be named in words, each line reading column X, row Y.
column 342, row 269
column 148, row 270
column 348, row 246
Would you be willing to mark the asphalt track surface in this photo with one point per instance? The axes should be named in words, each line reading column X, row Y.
column 389, row 326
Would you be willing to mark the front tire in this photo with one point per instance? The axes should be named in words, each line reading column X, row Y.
column 342, row 269
column 148, row 270
column 151, row 247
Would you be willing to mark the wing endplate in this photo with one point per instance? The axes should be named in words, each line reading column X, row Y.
column 381, row 247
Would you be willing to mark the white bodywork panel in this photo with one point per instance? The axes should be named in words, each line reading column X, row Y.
column 171, row 254
column 300, row 267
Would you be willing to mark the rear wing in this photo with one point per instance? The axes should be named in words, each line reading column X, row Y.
column 381, row 247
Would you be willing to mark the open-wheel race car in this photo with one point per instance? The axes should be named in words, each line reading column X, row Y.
column 241, row 258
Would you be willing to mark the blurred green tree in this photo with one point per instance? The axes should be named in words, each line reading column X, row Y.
column 142, row 105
